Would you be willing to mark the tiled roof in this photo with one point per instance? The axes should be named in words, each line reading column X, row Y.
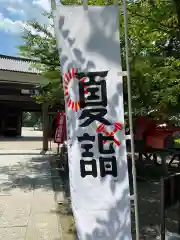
column 17, row 64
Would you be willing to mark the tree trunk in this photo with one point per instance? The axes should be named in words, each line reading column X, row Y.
column 45, row 126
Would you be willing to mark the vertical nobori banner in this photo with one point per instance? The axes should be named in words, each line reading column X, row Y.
column 89, row 40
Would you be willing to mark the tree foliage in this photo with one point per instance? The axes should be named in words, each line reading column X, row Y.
column 155, row 55
column 154, row 36
column 40, row 45
column 30, row 119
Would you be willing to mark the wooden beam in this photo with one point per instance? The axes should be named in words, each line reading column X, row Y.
column 24, row 78
column 19, row 86
column 13, row 98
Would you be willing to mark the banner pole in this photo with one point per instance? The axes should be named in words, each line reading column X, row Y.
column 85, row 4
column 130, row 121
column 53, row 5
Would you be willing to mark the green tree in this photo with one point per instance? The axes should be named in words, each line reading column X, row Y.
column 154, row 35
column 40, row 45
column 155, row 51
column 30, row 119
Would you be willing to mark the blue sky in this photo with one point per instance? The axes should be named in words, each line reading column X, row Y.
column 13, row 17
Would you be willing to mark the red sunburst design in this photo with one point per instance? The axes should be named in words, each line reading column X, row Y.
column 69, row 76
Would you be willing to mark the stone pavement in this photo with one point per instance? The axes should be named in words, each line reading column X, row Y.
column 27, row 204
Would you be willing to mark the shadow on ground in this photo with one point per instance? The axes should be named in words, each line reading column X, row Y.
column 149, row 207
column 23, row 139
column 30, row 173
column 149, row 190
column 22, row 153
column 34, row 173
column 60, row 182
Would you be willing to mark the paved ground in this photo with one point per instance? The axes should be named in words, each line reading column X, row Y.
column 30, row 140
column 27, row 205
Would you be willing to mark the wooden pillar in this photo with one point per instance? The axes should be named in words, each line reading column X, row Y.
column 45, row 126
column 3, row 124
column 19, row 123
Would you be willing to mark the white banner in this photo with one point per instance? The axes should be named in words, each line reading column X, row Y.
column 88, row 42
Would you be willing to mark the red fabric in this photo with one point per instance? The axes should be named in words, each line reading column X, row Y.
column 141, row 127
column 58, row 118
column 60, row 135
column 157, row 139
column 151, row 128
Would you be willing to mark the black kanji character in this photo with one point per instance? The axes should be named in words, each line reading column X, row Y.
column 94, row 115
column 88, row 164
column 86, row 137
column 108, row 166
column 92, row 87
column 87, row 146
column 101, row 140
